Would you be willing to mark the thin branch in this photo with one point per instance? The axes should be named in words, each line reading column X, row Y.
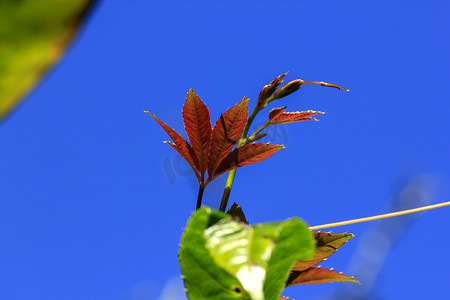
column 200, row 195
column 326, row 84
column 247, row 140
column 232, row 173
column 384, row 216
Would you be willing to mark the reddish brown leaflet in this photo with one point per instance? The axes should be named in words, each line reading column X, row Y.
column 226, row 133
column 211, row 149
column 246, row 155
column 278, row 116
column 326, row 245
column 317, row 275
column 180, row 145
column 198, row 128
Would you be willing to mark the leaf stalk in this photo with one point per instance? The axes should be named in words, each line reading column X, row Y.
column 383, row 216
column 200, row 195
column 232, row 173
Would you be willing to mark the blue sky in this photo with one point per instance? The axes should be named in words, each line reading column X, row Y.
column 92, row 203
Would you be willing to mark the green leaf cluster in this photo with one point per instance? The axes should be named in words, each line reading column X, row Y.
column 222, row 258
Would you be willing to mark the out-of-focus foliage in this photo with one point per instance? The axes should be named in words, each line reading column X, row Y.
column 33, row 37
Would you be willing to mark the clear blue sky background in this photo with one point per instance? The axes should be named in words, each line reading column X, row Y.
column 92, row 203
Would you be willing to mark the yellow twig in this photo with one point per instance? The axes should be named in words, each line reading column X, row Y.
column 390, row 215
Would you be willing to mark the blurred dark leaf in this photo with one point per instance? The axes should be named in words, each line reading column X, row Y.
column 237, row 213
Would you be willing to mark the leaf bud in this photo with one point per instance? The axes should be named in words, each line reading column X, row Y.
column 287, row 89
column 256, row 137
column 268, row 90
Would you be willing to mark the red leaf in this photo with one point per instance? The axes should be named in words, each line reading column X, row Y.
column 278, row 116
column 181, row 146
column 276, row 112
column 317, row 275
column 226, row 133
column 245, row 155
column 198, row 128
column 326, row 245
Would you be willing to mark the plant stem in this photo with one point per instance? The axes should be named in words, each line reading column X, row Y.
column 227, row 191
column 232, row 173
column 326, row 84
column 389, row 215
column 259, row 130
column 200, row 195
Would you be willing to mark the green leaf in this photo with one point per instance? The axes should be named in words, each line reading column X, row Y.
column 203, row 279
column 222, row 258
column 294, row 242
column 34, row 35
column 242, row 252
